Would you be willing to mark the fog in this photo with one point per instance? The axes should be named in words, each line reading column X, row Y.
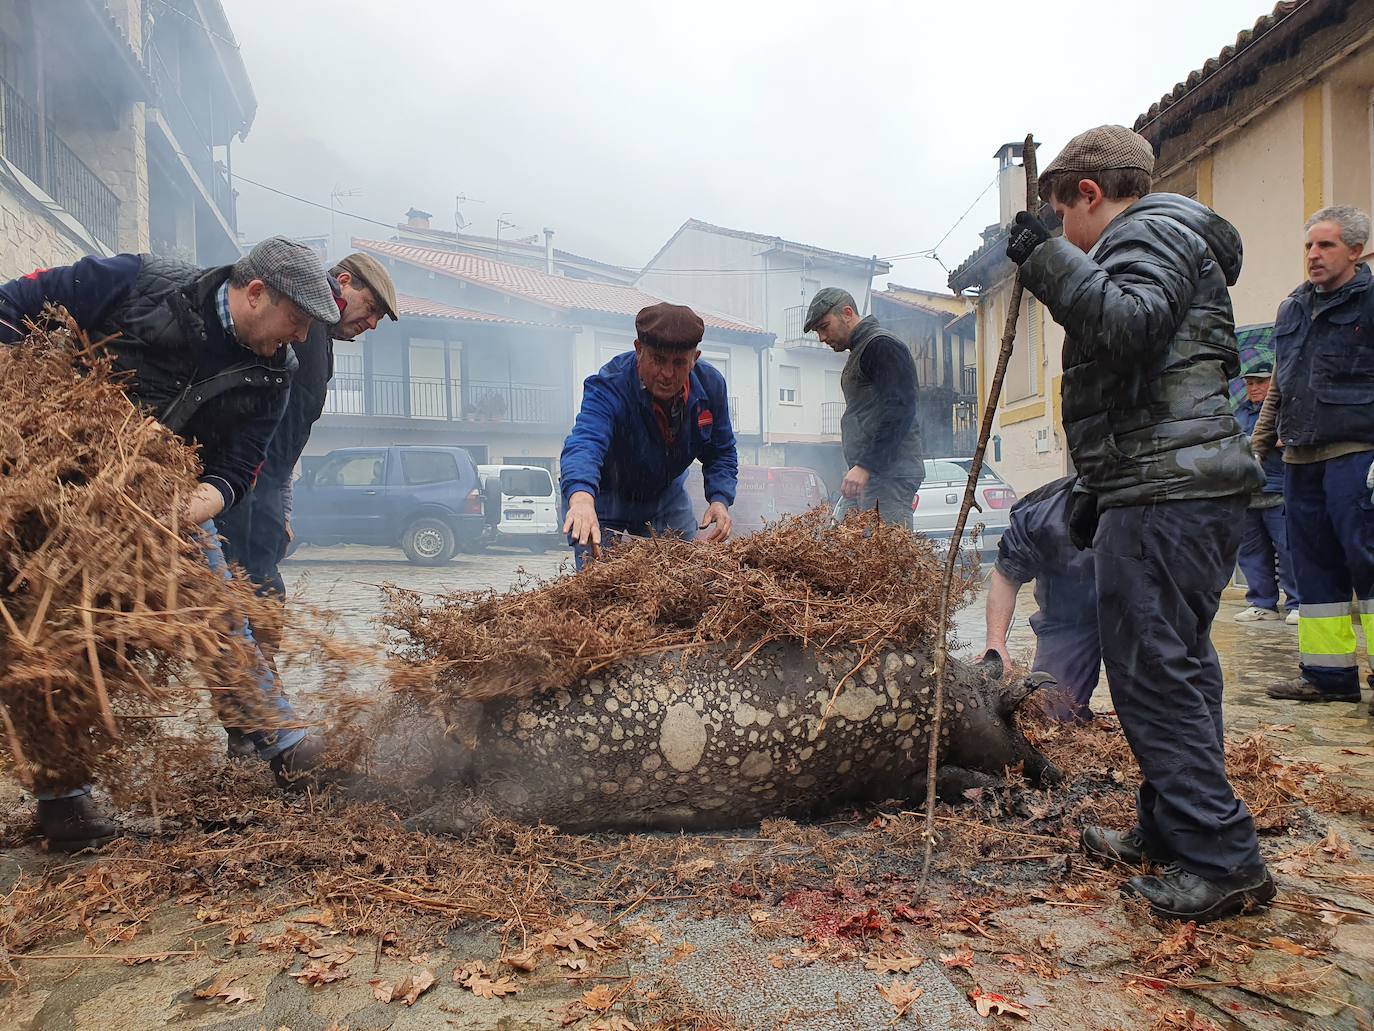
column 864, row 127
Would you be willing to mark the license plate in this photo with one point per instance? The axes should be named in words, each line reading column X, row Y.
column 519, row 515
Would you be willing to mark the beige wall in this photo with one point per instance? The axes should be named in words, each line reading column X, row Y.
column 1257, row 184
column 28, row 239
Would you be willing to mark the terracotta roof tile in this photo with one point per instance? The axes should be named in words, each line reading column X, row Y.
column 424, row 308
column 556, row 292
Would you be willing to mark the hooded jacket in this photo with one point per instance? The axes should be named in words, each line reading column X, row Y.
column 1149, row 348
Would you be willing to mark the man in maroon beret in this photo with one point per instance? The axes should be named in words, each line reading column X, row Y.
column 646, row 416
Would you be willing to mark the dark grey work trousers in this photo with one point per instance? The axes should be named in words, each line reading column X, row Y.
column 1160, row 570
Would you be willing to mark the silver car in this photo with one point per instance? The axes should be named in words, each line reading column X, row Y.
column 936, row 505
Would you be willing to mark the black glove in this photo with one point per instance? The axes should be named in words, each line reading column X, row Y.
column 1027, row 233
column 1082, row 520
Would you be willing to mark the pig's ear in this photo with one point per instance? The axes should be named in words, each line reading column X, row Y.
column 1018, row 691
column 990, row 665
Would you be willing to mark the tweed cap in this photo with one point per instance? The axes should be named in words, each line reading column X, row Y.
column 831, row 298
column 368, row 271
column 293, row 269
column 673, row 327
column 1098, row 150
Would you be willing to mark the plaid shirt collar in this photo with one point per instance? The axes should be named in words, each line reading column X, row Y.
column 222, row 306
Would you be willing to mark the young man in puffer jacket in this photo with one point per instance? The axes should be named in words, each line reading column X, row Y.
column 1139, row 283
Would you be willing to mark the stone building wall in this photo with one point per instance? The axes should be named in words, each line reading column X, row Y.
column 29, row 239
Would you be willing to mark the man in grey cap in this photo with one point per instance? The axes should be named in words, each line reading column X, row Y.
column 879, row 433
column 257, row 531
column 1139, row 282
column 206, row 353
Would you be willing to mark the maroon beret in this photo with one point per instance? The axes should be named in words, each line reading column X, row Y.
column 674, row 327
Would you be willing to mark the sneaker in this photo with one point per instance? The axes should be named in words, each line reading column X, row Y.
column 74, row 823
column 1292, row 618
column 1302, row 690
column 1180, row 895
column 1255, row 614
column 1127, row 847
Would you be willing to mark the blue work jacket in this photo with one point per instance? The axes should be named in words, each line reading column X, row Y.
column 617, row 452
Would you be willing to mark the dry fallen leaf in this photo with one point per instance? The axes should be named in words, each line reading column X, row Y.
column 988, row 1003
column 612, row 1022
column 315, row 974
column 1292, row 948
column 573, row 962
column 414, row 986
column 526, row 959
column 680, row 952
column 151, row 957
column 487, row 988
column 692, row 869
column 902, row 995
column 333, row 957
column 599, row 999
column 238, row 936
column 961, row 958
column 222, row 988
column 206, row 915
column 577, row 932
column 647, row 931
column 1335, row 845
column 777, row 962
column 893, row 964
column 473, row 968
column 321, row 919
column 383, row 991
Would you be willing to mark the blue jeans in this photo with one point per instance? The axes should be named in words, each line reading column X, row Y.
column 1265, row 561
column 269, row 743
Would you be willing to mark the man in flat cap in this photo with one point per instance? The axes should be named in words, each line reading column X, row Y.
column 645, row 417
column 207, row 353
column 1139, row 281
column 879, row 433
column 257, row 530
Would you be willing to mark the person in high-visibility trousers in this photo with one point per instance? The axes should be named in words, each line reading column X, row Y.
column 1321, row 409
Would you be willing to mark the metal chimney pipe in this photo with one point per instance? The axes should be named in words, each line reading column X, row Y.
column 548, row 250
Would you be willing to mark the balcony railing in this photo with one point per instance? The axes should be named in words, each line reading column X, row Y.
column 420, row 397
column 40, row 154
column 793, row 321
column 968, row 381
column 831, row 413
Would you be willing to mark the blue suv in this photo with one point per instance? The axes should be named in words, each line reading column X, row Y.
column 425, row 499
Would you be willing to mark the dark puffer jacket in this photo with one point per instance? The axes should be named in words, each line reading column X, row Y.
column 1150, row 345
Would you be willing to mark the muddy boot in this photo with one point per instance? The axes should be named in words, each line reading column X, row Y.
column 74, row 823
column 298, row 766
column 1129, row 847
column 240, row 744
column 1301, row 689
column 1180, row 895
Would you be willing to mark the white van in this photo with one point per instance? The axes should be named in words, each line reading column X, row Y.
column 521, row 506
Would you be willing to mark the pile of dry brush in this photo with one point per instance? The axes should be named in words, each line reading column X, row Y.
column 858, row 585
column 111, row 621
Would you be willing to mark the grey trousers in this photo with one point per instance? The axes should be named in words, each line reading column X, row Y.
column 891, row 497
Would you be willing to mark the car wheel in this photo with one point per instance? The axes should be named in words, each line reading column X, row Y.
column 428, row 542
column 538, row 547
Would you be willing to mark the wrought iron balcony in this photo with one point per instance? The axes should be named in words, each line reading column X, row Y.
column 419, row 397
column 793, row 321
column 38, row 152
column 831, row 414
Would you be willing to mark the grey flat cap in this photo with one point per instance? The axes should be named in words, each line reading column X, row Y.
column 831, row 298
column 293, row 269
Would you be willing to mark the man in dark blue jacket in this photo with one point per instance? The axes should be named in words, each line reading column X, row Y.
column 206, row 354
column 645, row 417
column 1320, row 409
column 1264, row 555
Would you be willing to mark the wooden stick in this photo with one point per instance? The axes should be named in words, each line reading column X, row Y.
column 97, row 677
column 984, row 432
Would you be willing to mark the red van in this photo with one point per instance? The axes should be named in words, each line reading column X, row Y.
column 763, row 493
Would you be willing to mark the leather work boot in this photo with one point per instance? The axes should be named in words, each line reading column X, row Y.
column 295, row 767
column 1180, row 895
column 1303, row 690
column 1127, row 847
column 75, row 823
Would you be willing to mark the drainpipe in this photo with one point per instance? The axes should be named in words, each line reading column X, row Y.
column 548, row 250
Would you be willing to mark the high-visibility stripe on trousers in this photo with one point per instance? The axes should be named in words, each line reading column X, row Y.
column 1331, row 540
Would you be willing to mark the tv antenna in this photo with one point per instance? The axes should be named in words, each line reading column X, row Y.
column 459, row 222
